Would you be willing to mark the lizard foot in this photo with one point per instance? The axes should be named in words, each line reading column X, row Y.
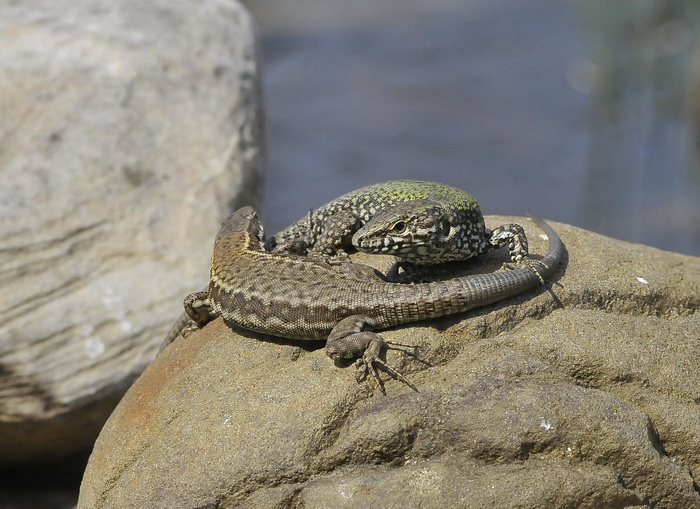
column 348, row 340
column 370, row 360
column 189, row 329
column 297, row 246
column 185, row 330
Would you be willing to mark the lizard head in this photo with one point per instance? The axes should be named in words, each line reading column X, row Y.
column 408, row 230
column 244, row 222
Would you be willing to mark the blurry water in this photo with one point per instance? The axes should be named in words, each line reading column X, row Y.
column 538, row 104
column 642, row 172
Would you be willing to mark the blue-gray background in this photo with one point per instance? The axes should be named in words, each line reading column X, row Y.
column 582, row 111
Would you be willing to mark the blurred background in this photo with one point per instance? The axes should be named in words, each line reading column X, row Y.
column 583, row 111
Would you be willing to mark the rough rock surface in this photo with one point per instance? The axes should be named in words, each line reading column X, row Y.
column 129, row 129
column 590, row 399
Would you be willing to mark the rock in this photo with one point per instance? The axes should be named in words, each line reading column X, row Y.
column 129, row 130
column 585, row 395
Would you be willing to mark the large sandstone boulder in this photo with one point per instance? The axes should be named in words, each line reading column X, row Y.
column 585, row 395
column 129, row 129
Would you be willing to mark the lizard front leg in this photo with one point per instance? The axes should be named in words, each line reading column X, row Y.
column 349, row 340
column 198, row 308
column 335, row 235
column 513, row 236
column 197, row 314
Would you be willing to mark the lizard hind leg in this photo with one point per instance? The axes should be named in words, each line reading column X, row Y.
column 349, row 340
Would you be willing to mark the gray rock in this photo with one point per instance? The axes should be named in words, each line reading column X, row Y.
column 129, row 130
column 589, row 399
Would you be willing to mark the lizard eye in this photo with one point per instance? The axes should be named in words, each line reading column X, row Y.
column 399, row 227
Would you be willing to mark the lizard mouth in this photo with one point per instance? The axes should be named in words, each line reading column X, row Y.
column 386, row 245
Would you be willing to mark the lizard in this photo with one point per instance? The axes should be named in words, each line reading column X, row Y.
column 419, row 222
column 300, row 297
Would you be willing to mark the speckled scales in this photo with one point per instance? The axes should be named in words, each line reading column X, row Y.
column 330, row 227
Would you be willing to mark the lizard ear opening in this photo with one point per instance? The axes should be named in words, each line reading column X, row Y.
column 445, row 226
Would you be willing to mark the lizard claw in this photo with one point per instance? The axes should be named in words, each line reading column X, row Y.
column 370, row 360
column 368, row 364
